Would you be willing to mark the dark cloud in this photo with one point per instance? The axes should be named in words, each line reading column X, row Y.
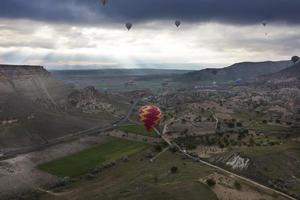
column 91, row 11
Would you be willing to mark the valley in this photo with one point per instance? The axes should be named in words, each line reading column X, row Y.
column 88, row 138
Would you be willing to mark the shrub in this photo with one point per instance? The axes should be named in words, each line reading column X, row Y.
column 237, row 185
column 210, row 182
column 174, row 169
column 158, row 148
column 239, row 124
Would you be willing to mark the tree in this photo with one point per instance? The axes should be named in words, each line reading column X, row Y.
column 174, row 169
column 155, row 179
column 230, row 124
column 158, row 148
column 210, row 182
column 237, row 185
column 239, row 124
column 251, row 142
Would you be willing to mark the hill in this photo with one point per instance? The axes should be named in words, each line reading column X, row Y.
column 288, row 74
column 32, row 82
column 36, row 108
column 246, row 71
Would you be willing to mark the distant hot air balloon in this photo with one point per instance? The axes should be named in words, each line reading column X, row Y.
column 238, row 81
column 295, row 59
column 177, row 23
column 103, row 2
column 150, row 116
column 128, row 25
column 264, row 23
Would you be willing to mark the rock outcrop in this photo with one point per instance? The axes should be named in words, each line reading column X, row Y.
column 33, row 82
column 233, row 160
column 89, row 100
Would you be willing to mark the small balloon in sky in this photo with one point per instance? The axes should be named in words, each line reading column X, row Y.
column 177, row 23
column 103, row 2
column 128, row 26
column 295, row 59
column 150, row 116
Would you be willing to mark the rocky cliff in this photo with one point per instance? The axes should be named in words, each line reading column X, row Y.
column 89, row 100
column 36, row 108
column 33, row 82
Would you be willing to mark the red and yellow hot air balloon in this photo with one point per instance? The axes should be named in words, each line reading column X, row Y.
column 150, row 116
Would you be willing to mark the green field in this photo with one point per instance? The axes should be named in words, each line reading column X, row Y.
column 279, row 162
column 80, row 163
column 254, row 121
column 140, row 179
column 138, row 129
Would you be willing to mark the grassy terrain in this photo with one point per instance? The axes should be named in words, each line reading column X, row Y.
column 280, row 162
column 254, row 121
column 79, row 163
column 138, row 129
column 140, row 179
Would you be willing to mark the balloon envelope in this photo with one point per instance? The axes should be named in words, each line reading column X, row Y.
column 177, row 23
column 264, row 23
column 150, row 116
column 103, row 2
column 128, row 25
column 295, row 59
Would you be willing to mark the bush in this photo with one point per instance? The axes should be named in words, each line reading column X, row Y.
column 210, row 182
column 237, row 185
column 155, row 179
column 158, row 148
column 239, row 124
column 230, row 125
column 174, row 169
column 173, row 148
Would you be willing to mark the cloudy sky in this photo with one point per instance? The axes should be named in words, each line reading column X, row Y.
column 81, row 34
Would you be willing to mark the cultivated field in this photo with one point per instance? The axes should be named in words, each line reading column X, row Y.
column 140, row 179
column 138, row 129
column 80, row 163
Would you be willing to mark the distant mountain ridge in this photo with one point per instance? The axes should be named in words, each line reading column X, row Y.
column 291, row 73
column 246, row 71
column 116, row 72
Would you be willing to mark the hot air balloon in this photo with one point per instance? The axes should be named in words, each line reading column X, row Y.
column 295, row 59
column 128, row 25
column 238, row 81
column 150, row 116
column 264, row 23
column 177, row 23
column 103, row 2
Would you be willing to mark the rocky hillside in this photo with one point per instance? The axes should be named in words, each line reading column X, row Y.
column 35, row 108
column 245, row 71
column 89, row 100
column 33, row 82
